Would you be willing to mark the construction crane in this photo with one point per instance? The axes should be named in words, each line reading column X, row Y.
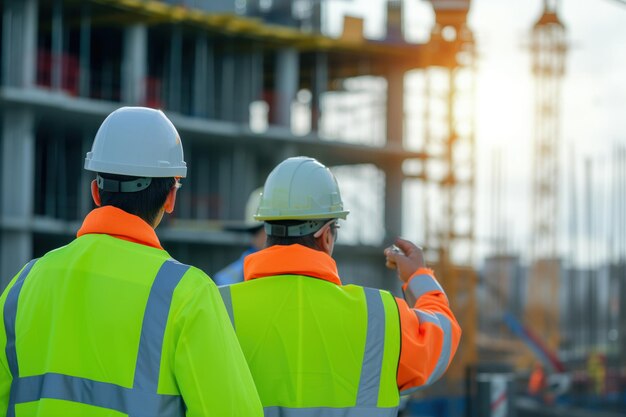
column 548, row 50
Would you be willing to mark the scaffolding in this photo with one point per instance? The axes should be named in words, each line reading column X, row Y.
column 449, row 171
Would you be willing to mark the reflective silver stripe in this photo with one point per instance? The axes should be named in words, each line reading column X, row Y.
column 100, row 394
column 330, row 412
column 444, row 357
column 142, row 399
column 10, row 312
column 418, row 286
column 152, row 332
column 369, row 382
column 427, row 317
column 153, row 326
column 228, row 302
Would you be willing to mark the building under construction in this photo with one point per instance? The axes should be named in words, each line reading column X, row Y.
column 249, row 83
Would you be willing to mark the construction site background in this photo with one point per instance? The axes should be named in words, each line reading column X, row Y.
column 509, row 167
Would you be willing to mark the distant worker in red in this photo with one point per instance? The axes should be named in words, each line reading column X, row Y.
column 537, row 382
column 314, row 346
column 110, row 324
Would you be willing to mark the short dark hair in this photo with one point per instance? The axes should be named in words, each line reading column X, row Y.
column 307, row 240
column 145, row 203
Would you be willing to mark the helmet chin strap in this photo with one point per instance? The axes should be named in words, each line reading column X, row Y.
column 115, row 186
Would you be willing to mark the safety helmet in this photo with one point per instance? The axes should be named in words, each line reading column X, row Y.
column 139, row 142
column 249, row 224
column 251, row 208
column 300, row 188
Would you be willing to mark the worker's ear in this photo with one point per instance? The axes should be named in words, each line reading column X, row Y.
column 170, row 201
column 326, row 241
column 95, row 193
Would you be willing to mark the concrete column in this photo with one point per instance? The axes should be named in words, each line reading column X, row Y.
column 256, row 79
column 19, row 43
column 57, row 45
column 17, row 192
column 287, row 69
column 224, row 177
column 395, row 106
column 241, row 113
column 317, row 17
column 202, row 75
column 175, row 69
column 257, row 73
column 244, row 181
column 135, row 64
column 202, row 177
column 226, row 99
column 394, row 176
column 320, row 85
column 210, row 92
column 84, row 81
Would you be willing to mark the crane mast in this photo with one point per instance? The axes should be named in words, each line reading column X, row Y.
column 548, row 50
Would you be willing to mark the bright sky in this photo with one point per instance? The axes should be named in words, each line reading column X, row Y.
column 594, row 90
column 593, row 102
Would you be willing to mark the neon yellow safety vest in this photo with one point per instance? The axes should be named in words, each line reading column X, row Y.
column 318, row 349
column 96, row 328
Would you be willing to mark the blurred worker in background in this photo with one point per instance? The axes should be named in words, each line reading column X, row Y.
column 318, row 348
column 110, row 324
column 233, row 273
column 537, row 382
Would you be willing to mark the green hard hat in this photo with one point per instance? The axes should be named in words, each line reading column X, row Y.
column 300, row 188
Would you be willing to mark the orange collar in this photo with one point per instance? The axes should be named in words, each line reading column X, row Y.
column 290, row 260
column 112, row 221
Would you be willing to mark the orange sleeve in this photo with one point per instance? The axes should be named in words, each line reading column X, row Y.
column 430, row 332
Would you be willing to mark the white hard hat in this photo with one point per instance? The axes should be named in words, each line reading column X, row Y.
column 139, row 142
column 249, row 224
column 251, row 208
column 300, row 188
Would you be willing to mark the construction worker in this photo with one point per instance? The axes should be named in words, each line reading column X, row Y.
column 537, row 382
column 233, row 273
column 315, row 347
column 111, row 325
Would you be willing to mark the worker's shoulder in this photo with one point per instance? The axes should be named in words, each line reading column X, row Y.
column 367, row 290
column 195, row 275
column 193, row 280
column 194, row 292
column 101, row 248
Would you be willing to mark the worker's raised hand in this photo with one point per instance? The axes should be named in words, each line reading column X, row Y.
column 405, row 257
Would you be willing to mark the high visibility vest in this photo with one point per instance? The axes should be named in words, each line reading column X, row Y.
column 87, row 331
column 318, row 349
